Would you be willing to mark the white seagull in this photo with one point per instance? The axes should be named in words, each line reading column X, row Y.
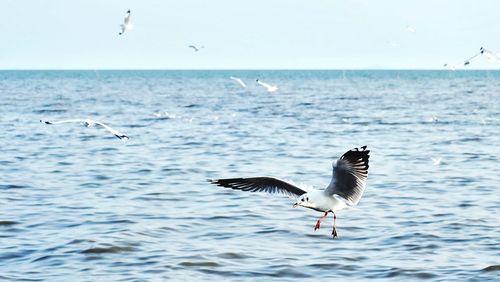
column 345, row 189
column 436, row 161
column 269, row 88
column 239, row 81
column 91, row 123
column 410, row 29
column 126, row 25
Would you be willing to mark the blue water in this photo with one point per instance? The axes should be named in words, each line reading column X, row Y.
column 78, row 203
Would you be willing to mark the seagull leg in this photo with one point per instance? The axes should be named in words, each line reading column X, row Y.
column 318, row 223
column 334, row 231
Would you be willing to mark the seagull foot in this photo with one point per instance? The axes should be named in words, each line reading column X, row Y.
column 334, row 233
column 318, row 224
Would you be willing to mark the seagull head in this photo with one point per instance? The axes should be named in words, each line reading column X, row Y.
column 303, row 200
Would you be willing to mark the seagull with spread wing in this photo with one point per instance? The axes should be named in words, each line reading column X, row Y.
column 345, row 189
column 126, row 25
column 91, row 123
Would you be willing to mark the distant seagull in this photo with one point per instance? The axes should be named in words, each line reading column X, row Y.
column 436, row 161
column 126, row 25
column 196, row 49
column 433, row 119
column 344, row 191
column 410, row 29
column 91, row 123
column 239, row 81
column 269, row 88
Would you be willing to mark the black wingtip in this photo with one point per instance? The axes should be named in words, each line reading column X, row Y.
column 214, row 181
column 356, row 154
column 124, row 138
column 46, row 122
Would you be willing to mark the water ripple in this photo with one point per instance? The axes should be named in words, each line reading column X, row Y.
column 80, row 203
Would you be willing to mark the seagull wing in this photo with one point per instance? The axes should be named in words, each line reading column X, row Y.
column 122, row 29
column 473, row 57
column 126, row 21
column 264, row 84
column 490, row 56
column 260, row 184
column 63, row 121
column 239, row 81
column 117, row 133
column 349, row 175
column 194, row 47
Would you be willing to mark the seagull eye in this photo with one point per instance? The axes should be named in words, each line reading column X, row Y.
column 307, row 199
column 302, row 199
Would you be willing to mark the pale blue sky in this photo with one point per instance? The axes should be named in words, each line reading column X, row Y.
column 256, row 34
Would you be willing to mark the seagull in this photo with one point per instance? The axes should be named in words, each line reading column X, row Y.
column 433, row 119
column 410, row 29
column 196, row 49
column 436, row 161
column 126, row 25
column 269, row 88
column 239, row 81
column 344, row 191
column 91, row 123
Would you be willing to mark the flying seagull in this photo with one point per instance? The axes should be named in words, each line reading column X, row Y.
column 239, row 81
column 196, row 49
column 91, row 123
column 269, row 88
column 410, row 29
column 126, row 25
column 436, row 161
column 345, row 189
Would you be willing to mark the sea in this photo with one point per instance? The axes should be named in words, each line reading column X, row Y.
column 79, row 204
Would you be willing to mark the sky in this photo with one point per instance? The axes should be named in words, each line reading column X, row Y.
column 244, row 34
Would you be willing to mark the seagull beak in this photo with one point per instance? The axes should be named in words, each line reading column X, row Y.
column 295, row 205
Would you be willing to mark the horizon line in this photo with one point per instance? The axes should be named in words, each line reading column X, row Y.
column 252, row 69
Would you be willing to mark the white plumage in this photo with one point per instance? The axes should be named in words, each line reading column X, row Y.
column 269, row 88
column 126, row 25
column 91, row 123
column 346, row 188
